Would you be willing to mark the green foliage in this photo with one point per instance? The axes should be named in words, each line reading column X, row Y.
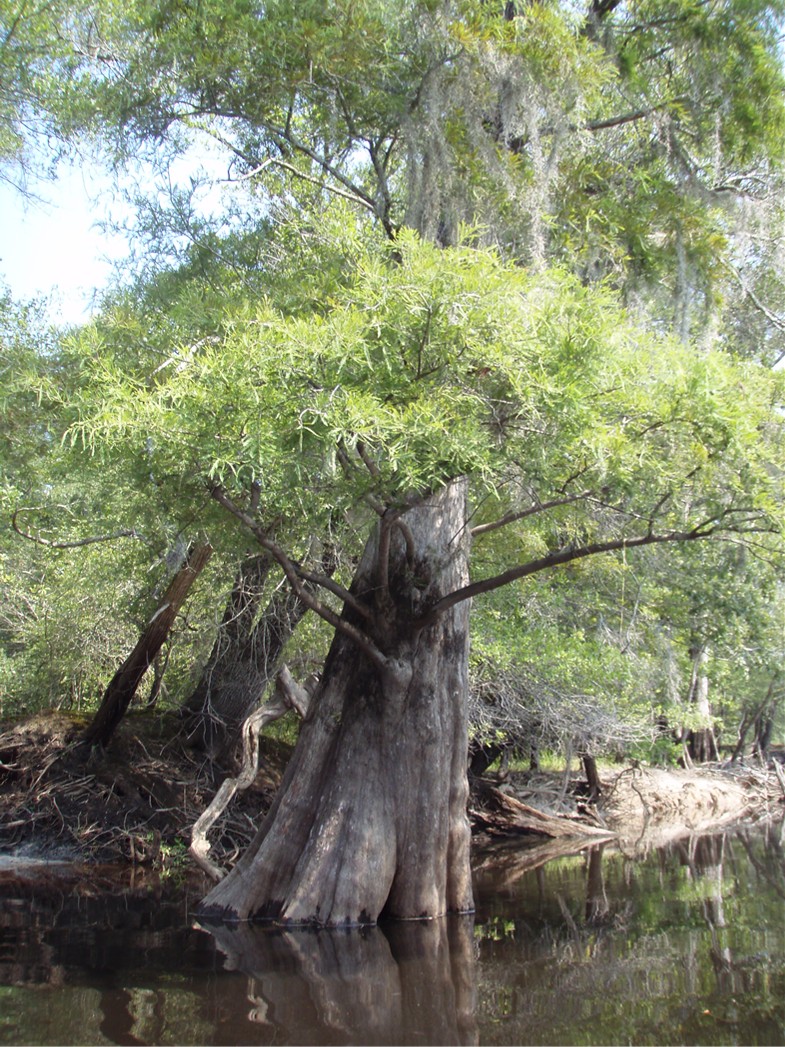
column 445, row 363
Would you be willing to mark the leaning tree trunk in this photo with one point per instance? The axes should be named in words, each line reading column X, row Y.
column 122, row 687
column 371, row 816
column 244, row 659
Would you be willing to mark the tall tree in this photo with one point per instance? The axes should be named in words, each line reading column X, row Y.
column 401, row 371
column 462, row 401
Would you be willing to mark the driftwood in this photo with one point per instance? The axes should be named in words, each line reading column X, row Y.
column 288, row 695
column 503, row 813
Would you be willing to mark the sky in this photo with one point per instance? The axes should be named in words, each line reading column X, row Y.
column 53, row 246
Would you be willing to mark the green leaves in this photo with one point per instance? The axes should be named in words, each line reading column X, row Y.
column 425, row 364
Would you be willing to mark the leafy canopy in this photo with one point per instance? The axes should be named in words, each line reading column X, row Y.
column 428, row 364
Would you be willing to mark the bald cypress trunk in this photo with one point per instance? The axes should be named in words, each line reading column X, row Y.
column 371, row 816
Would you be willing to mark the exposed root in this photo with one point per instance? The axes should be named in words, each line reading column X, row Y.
column 288, row 695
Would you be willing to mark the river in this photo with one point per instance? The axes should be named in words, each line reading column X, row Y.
column 685, row 946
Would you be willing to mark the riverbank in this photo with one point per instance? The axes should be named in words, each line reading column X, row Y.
column 138, row 801
column 135, row 802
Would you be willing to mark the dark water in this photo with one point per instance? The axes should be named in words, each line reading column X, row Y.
column 687, row 946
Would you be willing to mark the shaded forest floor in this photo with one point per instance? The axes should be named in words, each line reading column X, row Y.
column 136, row 803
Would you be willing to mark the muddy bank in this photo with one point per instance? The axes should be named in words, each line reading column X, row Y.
column 638, row 808
column 137, row 802
column 647, row 807
column 134, row 803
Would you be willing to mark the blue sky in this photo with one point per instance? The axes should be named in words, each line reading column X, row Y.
column 53, row 246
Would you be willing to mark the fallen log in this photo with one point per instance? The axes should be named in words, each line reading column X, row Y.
column 506, row 814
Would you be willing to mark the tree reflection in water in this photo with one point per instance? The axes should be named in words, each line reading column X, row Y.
column 569, row 945
column 406, row 982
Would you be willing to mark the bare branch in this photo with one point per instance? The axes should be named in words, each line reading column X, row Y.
column 288, row 695
column 297, row 696
column 369, row 463
column 628, row 118
column 375, row 503
column 325, row 582
column 347, row 189
column 383, row 557
column 77, row 543
column 558, row 558
column 540, row 507
column 408, row 538
column 773, row 318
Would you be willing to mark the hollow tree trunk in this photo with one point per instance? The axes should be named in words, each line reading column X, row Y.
column 244, row 659
column 123, row 685
column 371, row 816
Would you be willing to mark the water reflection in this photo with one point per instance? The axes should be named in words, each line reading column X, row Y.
column 686, row 947
column 408, row 983
column 587, row 946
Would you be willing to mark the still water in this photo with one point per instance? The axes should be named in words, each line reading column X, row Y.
column 686, row 946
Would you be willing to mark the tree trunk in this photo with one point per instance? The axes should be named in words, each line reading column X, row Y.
column 701, row 742
column 765, row 716
column 371, row 816
column 123, row 685
column 243, row 661
column 592, row 776
column 230, row 674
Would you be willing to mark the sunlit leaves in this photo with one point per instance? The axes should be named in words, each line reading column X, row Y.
column 425, row 364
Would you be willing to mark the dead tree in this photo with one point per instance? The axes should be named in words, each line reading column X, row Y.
column 123, row 685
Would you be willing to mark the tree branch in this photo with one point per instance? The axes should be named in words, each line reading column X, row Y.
column 368, row 462
column 568, row 554
column 348, row 191
column 287, row 695
column 76, row 543
column 511, row 517
column 771, row 316
column 370, row 499
column 294, row 573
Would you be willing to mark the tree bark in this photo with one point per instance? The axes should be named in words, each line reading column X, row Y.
column 244, row 659
column 230, row 675
column 592, row 776
column 123, row 685
column 371, row 816
column 701, row 742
